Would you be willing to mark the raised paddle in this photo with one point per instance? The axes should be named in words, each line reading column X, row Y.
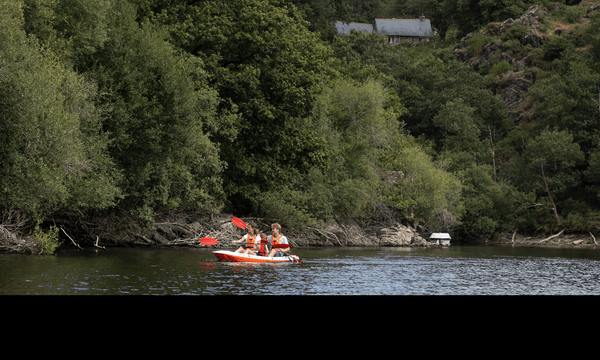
column 239, row 223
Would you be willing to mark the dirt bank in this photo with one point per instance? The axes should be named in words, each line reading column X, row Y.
column 184, row 230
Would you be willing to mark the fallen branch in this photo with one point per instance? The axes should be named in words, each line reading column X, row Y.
column 145, row 239
column 73, row 241
column 594, row 238
column 98, row 246
column 551, row 237
column 513, row 237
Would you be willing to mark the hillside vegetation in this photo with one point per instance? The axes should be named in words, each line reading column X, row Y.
column 118, row 113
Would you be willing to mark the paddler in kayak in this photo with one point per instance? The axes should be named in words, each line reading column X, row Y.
column 276, row 238
column 251, row 240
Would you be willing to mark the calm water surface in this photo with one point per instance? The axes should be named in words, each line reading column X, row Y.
column 458, row 270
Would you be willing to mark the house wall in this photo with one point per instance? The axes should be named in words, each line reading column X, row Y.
column 395, row 40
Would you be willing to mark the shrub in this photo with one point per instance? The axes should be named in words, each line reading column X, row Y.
column 47, row 241
column 476, row 44
column 500, row 67
column 572, row 14
column 515, row 32
column 555, row 46
column 512, row 45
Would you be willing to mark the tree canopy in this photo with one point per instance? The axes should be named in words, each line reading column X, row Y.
column 258, row 107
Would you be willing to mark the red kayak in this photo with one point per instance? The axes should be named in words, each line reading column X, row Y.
column 226, row 255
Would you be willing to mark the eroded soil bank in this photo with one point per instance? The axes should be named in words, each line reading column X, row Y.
column 186, row 230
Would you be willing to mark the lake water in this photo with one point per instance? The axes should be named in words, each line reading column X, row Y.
column 457, row 270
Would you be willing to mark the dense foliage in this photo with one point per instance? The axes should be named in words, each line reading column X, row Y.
column 258, row 107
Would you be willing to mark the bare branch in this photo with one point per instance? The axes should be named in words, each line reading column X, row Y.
column 551, row 237
column 73, row 241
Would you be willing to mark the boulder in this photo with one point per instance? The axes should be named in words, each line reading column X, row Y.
column 514, row 94
column 393, row 237
column 418, row 241
column 591, row 9
column 529, row 18
column 503, row 25
column 531, row 39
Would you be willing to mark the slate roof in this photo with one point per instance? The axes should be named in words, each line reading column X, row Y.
column 404, row 27
column 343, row 28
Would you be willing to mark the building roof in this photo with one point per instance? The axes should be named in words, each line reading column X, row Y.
column 343, row 28
column 440, row 236
column 404, row 27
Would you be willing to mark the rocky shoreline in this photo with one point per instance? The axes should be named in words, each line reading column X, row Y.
column 185, row 231
column 583, row 241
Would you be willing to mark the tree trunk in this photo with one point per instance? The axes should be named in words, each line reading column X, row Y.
column 548, row 191
column 493, row 152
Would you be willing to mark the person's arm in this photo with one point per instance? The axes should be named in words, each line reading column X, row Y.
column 257, row 243
column 285, row 241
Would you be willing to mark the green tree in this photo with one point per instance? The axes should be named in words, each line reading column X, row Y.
column 262, row 59
column 320, row 14
column 471, row 15
column 424, row 191
column 157, row 107
column 592, row 176
column 53, row 150
column 490, row 206
column 549, row 167
column 570, row 101
column 356, row 125
column 457, row 120
column 433, row 113
column 594, row 32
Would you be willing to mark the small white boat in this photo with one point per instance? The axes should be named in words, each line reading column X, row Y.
column 440, row 238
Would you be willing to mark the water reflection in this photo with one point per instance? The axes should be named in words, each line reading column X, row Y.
column 327, row 271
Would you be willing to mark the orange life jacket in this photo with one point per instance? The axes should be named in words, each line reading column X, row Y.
column 276, row 241
column 250, row 242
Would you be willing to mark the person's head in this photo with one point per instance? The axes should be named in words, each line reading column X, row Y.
column 253, row 229
column 276, row 228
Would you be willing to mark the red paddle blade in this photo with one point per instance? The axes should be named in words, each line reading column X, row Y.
column 208, row 241
column 281, row 246
column 239, row 223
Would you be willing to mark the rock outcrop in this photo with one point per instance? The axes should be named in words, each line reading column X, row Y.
column 514, row 95
column 530, row 18
column 591, row 9
column 513, row 85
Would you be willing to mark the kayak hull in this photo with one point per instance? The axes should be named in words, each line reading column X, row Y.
column 226, row 255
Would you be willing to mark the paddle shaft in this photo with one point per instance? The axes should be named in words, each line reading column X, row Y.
column 211, row 241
